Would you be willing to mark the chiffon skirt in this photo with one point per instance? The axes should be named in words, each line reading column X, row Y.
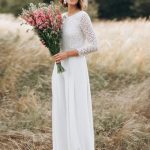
column 72, row 119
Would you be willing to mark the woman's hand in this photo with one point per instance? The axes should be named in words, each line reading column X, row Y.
column 60, row 56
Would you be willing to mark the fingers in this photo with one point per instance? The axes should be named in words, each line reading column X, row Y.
column 57, row 58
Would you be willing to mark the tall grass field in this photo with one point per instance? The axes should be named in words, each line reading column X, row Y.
column 119, row 79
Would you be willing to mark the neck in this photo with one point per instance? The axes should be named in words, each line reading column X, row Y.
column 72, row 9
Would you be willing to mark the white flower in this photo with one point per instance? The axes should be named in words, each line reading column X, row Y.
column 65, row 1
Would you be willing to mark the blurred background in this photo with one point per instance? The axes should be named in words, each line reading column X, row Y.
column 119, row 77
column 106, row 9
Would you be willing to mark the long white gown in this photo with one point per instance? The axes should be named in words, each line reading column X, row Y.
column 72, row 119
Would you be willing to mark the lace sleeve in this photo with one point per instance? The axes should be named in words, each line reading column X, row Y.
column 88, row 31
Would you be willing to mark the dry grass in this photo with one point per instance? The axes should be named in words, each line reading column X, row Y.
column 120, row 84
column 20, row 51
column 122, row 120
column 123, row 46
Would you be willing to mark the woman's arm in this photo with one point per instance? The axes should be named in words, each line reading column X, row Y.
column 72, row 53
column 88, row 31
column 63, row 55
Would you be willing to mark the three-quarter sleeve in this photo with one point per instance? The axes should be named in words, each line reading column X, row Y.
column 88, row 31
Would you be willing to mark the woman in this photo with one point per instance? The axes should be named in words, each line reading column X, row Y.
column 72, row 119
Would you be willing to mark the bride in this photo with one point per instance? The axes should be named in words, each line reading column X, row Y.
column 72, row 118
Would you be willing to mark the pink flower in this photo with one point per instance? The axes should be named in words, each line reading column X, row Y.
column 44, row 18
column 40, row 16
column 29, row 19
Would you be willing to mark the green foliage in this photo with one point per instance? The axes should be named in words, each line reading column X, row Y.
column 109, row 9
column 114, row 8
column 47, row 1
column 123, row 8
column 15, row 6
column 141, row 8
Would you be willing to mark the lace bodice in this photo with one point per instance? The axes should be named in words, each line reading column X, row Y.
column 78, row 33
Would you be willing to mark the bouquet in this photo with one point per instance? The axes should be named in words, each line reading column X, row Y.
column 46, row 21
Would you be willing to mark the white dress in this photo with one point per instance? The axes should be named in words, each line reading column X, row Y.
column 72, row 119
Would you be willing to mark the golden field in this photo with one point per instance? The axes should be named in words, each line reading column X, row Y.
column 120, row 86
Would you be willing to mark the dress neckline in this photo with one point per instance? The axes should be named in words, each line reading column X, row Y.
column 73, row 14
